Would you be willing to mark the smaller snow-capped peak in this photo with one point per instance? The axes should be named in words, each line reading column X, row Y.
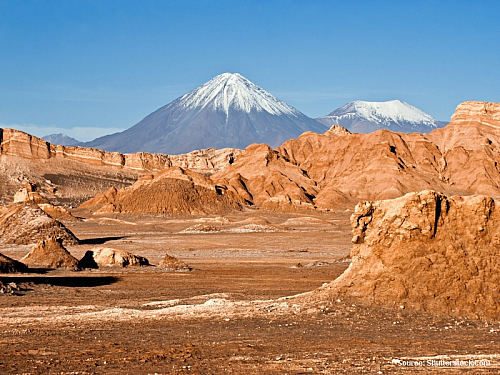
column 232, row 90
column 395, row 111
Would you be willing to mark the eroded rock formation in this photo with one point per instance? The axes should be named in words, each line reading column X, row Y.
column 26, row 223
column 70, row 175
column 472, row 112
column 8, row 265
column 425, row 251
column 331, row 170
column 30, row 193
column 50, row 253
column 172, row 263
column 18, row 143
column 173, row 191
column 337, row 168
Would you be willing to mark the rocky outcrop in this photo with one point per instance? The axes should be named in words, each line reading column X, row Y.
column 50, row 253
column 472, row 112
column 426, row 251
column 17, row 143
column 470, row 149
column 172, row 263
column 26, row 223
column 57, row 212
column 207, row 161
column 337, row 130
column 101, row 200
column 29, row 193
column 172, row 191
column 261, row 176
column 107, row 257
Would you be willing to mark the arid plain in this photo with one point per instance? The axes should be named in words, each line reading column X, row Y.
column 226, row 315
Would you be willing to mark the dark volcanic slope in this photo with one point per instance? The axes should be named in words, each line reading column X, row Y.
column 227, row 111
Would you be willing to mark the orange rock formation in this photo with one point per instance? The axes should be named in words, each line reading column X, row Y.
column 173, row 191
column 18, row 143
column 50, row 253
column 425, row 251
column 26, row 223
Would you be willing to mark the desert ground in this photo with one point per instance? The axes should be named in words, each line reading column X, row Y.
column 234, row 312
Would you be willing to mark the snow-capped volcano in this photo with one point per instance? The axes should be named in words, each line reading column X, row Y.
column 395, row 115
column 227, row 111
column 234, row 91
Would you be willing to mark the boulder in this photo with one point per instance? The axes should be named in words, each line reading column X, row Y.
column 172, row 263
column 106, row 257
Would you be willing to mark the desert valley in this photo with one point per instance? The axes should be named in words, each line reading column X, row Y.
column 331, row 252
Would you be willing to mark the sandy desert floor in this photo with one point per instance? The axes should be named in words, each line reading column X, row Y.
column 231, row 314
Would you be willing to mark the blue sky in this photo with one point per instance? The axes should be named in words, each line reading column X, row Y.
column 88, row 68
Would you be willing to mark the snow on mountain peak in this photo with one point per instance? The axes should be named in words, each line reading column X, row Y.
column 395, row 111
column 232, row 90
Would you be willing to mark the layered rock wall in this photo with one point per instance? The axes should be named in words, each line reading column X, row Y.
column 17, row 143
column 477, row 112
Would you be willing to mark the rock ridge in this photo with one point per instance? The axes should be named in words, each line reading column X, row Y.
column 18, row 143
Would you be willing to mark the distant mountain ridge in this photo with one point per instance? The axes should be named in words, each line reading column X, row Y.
column 227, row 111
column 395, row 115
column 61, row 139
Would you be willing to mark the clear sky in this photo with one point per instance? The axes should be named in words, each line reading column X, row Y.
column 88, row 68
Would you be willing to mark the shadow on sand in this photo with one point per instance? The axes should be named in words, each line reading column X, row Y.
column 66, row 281
column 99, row 240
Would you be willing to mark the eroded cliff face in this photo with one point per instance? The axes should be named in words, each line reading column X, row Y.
column 425, row 251
column 17, row 143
